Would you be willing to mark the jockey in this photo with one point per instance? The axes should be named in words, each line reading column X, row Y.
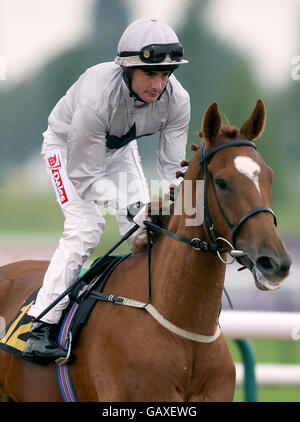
column 91, row 155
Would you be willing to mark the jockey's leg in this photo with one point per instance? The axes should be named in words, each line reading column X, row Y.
column 82, row 230
column 83, row 227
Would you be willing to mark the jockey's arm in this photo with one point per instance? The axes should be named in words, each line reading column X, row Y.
column 172, row 143
column 86, row 151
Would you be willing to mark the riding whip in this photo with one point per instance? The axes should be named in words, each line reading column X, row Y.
column 90, row 273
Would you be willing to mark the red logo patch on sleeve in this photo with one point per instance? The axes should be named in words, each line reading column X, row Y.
column 54, row 161
column 59, row 186
column 59, row 177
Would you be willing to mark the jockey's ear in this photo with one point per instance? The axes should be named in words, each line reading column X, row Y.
column 211, row 123
column 254, row 126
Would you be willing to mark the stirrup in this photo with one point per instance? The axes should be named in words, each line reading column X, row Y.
column 64, row 360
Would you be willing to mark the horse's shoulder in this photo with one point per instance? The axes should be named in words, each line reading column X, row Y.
column 17, row 281
column 15, row 269
column 22, row 275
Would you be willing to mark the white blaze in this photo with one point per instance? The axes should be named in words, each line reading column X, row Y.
column 249, row 168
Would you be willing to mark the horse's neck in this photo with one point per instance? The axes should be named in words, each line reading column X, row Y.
column 187, row 284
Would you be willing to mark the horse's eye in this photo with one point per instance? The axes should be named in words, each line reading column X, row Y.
column 220, row 182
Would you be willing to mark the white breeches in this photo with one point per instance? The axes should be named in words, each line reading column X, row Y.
column 84, row 222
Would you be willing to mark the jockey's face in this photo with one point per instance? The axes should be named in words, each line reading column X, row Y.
column 149, row 84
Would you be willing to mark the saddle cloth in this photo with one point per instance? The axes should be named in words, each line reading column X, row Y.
column 16, row 333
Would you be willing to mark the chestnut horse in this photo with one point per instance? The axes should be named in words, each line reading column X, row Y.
column 123, row 353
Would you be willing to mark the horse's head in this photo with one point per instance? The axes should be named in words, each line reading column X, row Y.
column 238, row 184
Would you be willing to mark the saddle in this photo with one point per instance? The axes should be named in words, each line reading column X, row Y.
column 82, row 300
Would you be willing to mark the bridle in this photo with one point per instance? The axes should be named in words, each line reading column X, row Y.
column 210, row 228
column 216, row 243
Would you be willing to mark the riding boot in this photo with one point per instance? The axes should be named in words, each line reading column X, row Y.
column 40, row 343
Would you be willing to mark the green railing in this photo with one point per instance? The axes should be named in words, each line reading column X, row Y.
column 250, row 384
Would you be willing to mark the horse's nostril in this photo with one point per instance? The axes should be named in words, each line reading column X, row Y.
column 266, row 264
column 270, row 265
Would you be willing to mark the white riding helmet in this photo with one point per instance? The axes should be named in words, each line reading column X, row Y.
column 149, row 42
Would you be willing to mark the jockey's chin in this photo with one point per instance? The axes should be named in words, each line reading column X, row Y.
column 150, row 96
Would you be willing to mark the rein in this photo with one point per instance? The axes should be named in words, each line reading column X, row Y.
column 213, row 246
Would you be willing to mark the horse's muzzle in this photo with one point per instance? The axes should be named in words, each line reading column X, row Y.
column 270, row 271
column 268, row 268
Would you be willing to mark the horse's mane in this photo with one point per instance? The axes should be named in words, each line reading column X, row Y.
column 140, row 242
column 157, row 217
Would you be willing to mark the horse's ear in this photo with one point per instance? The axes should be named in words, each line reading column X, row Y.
column 254, row 126
column 211, row 123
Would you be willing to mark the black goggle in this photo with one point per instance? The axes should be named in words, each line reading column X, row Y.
column 156, row 53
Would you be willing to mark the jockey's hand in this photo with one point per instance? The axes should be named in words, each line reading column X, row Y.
column 174, row 190
column 138, row 213
column 134, row 209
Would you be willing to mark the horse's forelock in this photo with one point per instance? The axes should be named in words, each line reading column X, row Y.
column 229, row 131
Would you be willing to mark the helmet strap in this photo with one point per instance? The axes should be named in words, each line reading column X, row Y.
column 127, row 76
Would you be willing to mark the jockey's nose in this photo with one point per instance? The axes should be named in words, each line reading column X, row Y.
column 157, row 82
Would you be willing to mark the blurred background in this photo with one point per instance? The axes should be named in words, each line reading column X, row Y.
column 239, row 51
